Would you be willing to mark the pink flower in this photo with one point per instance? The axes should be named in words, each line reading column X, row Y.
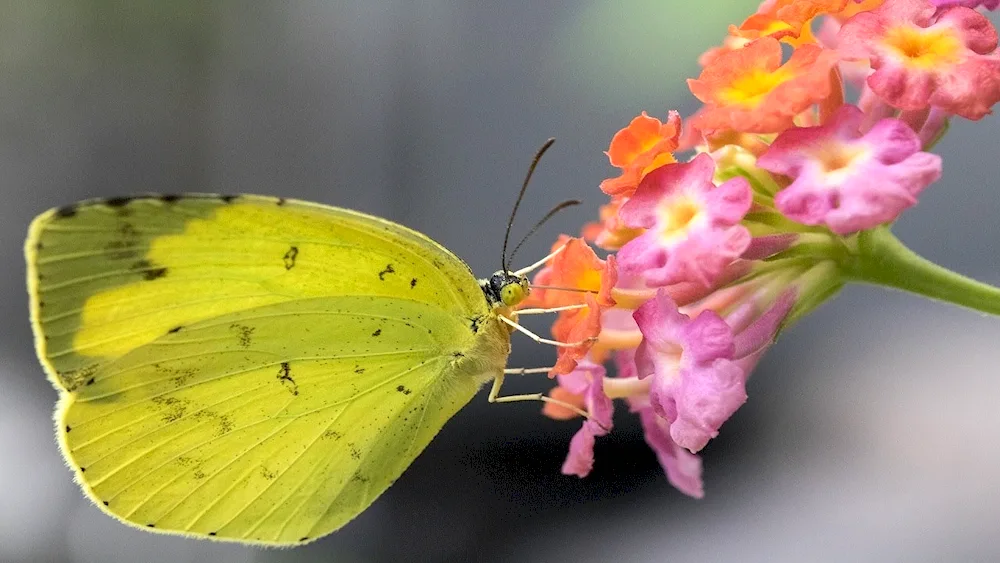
column 700, row 366
column 682, row 468
column 587, row 380
column 923, row 57
column 988, row 4
column 692, row 226
column 846, row 180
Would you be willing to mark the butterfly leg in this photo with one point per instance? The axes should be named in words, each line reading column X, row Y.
column 551, row 310
column 523, row 371
column 495, row 397
column 541, row 340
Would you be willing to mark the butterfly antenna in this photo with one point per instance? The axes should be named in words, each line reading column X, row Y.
column 520, row 196
column 553, row 211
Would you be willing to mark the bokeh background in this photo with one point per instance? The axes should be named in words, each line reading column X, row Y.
column 873, row 428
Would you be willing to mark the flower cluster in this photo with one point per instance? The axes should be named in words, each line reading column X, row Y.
column 788, row 196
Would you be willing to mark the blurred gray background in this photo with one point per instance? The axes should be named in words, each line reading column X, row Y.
column 873, row 429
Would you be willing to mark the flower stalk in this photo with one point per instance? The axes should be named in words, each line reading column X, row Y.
column 881, row 259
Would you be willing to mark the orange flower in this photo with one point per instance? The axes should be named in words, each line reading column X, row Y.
column 856, row 7
column 576, row 267
column 610, row 233
column 579, row 325
column 559, row 412
column 732, row 42
column 787, row 20
column 750, row 91
column 643, row 146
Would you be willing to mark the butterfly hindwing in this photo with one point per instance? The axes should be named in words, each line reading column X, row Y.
column 274, row 424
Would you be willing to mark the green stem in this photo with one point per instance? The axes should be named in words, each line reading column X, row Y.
column 881, row 259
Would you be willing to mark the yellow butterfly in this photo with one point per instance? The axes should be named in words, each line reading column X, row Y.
column 251, row 368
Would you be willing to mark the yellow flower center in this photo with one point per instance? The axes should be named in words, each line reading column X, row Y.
column 660, row 160
column 676, row 217
column 648, row 143
column 836, row 159
column 589, row 279
column 924, row 48
column 751, row 88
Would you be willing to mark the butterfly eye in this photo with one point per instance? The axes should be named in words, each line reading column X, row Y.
column 512, row 294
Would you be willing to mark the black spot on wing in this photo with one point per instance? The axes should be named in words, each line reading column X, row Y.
column 304, row 538
column 281, row 201
column 185, row 461
column 285, row 378
column 106, row 503
column 123, row 246
column 169, row 198
column 150, row 526
column 126, row 230
column 66, row 211
column 154, row 273
column 211, row 533
column 171, row 408
column 403, row 389
column 175, row 329
column 75, row 378
column 118, row 201
column 289, row 257
column 413, row 283
column 228, row 198
column 226, row 425
column 244, row 334
column 387, row 270
column 68, row 428
column 377, row 332
column 149, row 270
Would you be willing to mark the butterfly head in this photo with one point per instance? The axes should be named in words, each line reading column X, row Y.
column 505, row 289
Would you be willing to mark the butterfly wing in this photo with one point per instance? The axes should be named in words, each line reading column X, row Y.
column 108, row 276
column 249, row 369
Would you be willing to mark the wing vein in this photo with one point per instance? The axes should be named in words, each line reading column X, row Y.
column 215, row 353
column 224, row 467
